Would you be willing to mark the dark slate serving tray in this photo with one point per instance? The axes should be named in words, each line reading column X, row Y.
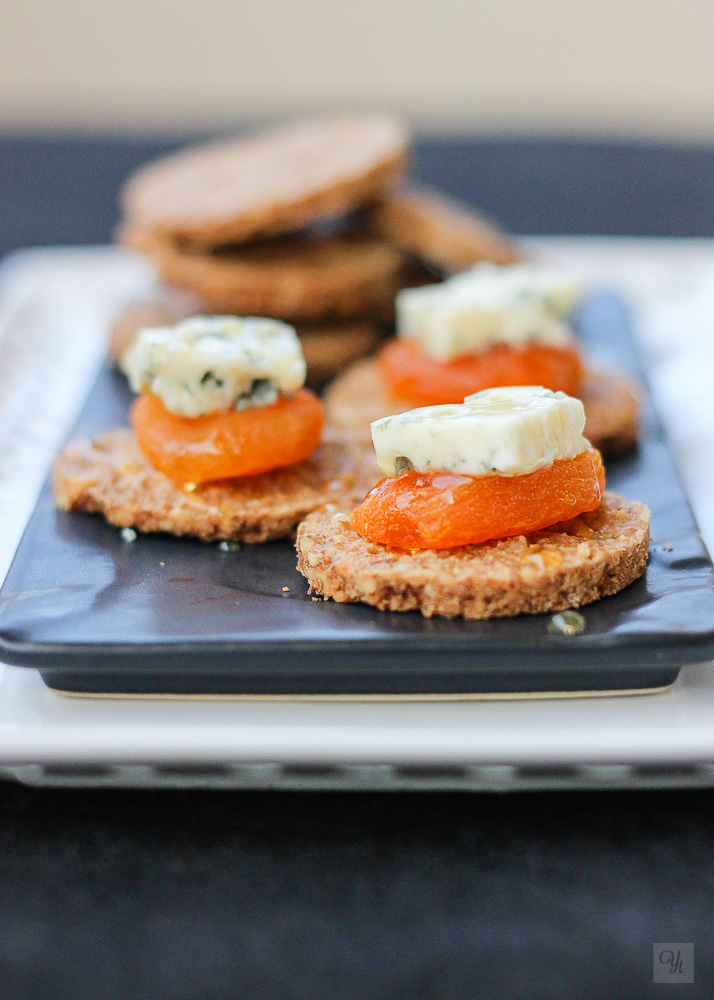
column 166, row 615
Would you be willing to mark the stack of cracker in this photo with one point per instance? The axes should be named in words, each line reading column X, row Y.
column 307, row 223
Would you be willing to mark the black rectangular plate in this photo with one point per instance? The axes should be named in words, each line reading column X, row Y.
column 168, row 615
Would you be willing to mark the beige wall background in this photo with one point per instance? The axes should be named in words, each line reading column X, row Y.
column 608, row 67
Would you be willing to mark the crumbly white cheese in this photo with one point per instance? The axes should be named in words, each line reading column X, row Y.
column 509, row 431
column 207, row 364
column 510, row 304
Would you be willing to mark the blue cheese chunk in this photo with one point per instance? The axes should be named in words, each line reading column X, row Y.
column 490, row 304
column 209, row 364
column 511, row 432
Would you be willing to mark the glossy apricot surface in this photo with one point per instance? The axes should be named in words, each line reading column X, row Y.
column 442, row 510
column 408, row 372
column 233, row 443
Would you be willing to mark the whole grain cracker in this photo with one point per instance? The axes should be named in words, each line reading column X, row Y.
column 272, row 182
column 294, row 277
column 571, row 564
column 441, row 230
column 111, row 476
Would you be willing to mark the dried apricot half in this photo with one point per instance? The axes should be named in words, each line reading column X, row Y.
column 228, row 444
column 442, row 510
column 408, row 372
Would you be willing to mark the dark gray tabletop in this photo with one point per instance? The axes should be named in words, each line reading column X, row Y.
column 289, row 895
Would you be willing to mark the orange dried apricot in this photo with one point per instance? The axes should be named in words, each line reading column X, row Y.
column 408, row 372
column 228, row 444
column 442, row 510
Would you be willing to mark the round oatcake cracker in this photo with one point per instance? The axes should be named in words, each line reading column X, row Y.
column 293, row 277
column 272, row 182
column 111, row 476
column 357, row 397
column 442, row 231
column 571, row 564
column 327, row 347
